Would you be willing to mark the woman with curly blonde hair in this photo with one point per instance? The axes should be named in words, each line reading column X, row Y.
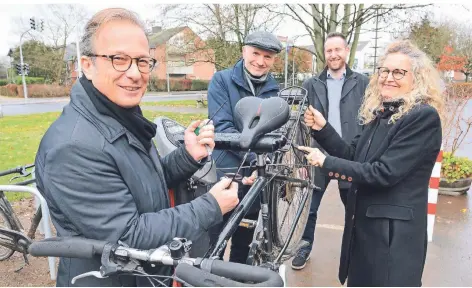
column 389, row 165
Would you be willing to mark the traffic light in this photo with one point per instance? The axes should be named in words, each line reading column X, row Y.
column 42, row 25
column 26, row 68
column 18, row 68
column 33, row 23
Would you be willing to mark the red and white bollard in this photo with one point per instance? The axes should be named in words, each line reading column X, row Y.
column 433, row 194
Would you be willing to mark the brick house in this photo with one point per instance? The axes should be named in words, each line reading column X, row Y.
column 181, row 53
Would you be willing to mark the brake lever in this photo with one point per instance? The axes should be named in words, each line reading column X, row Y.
column 95, row 274
column 21, row 176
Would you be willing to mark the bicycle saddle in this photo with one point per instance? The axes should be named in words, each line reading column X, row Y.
column 256, row 117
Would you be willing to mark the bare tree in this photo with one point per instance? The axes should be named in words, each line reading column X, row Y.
column 60, row 22
column 321, row 19
column 457, row 124
column 223, row 26
column 463, row 46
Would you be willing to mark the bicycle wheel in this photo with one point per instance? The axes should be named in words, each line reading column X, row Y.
column 287, row 198
column 5, row 252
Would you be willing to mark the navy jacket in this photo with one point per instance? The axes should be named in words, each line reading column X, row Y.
column 228, row 87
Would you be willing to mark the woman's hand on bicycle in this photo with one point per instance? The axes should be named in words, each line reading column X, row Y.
column 315, row 156
column 250, row 180
column 314, row 119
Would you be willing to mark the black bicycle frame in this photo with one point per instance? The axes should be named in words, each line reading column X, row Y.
column 243, row 208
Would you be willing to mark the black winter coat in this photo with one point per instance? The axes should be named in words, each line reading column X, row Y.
column 389, row 165
column 352, row 95
column 101, row 183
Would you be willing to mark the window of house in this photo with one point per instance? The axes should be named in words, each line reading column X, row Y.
column 178, row 40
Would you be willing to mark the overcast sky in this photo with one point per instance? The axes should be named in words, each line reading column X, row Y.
column 10, row 36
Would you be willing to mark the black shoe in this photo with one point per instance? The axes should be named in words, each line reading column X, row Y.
column 300, row 259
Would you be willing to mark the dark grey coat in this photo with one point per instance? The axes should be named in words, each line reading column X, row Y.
column 352, row 95
column 389, row 166
column 101, row 183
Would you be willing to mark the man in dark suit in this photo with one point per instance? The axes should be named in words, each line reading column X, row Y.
column 337, row 92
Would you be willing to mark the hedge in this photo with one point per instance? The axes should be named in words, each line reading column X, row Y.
column 28, row 80
column 52, row 90
column 160, row 85
column 460, row 90
column 9, row 90
column 35, row 90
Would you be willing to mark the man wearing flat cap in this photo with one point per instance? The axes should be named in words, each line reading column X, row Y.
column 249, row 77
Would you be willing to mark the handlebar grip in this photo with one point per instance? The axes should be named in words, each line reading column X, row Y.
column 227, row 274
column 10, row 171
column 69, row 247
column 263, row 277
column 192, row 276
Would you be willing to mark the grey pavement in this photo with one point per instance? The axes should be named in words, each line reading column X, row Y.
column 175, row 109
column 18, row 106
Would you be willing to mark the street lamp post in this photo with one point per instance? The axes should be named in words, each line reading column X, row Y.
column 286, row 62
column 293, row 66
column 25, row 91
column 79, row 68
column 39, row 27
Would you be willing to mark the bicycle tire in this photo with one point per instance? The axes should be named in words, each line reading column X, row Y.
column 5, row 253
column 285, row 198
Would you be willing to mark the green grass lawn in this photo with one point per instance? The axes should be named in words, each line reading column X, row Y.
column 20, row 137
column 180, row 103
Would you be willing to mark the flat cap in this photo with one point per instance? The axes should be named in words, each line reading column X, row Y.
column 263, row 40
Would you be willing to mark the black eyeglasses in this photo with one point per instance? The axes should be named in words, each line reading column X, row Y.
column 122, row 62
column 396, row 73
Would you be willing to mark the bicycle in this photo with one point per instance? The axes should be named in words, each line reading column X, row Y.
column 189, row 271
column 271, row 127
column 12, row 235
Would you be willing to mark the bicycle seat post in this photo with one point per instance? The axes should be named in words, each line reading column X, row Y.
column 261, row 164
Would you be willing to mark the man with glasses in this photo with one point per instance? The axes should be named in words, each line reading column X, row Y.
column 97, row 165
column 337, row 92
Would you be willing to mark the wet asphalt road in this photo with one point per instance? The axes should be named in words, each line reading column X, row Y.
column 31, row 106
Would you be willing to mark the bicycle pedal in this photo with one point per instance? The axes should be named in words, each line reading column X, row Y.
column 247, row 223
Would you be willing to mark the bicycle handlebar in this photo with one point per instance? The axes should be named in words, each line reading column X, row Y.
column 267, row 143
column 69, row 247
column 18, row 169
column 204, row 272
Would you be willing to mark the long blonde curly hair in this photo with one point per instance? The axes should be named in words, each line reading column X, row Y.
column 426, row 85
